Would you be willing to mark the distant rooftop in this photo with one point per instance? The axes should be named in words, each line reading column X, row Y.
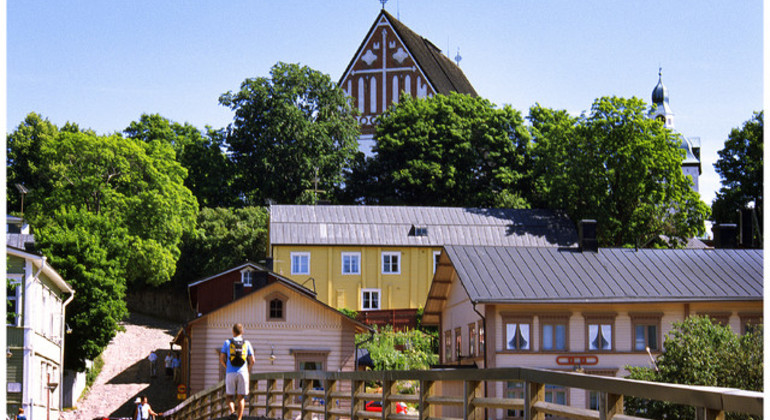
column 418, row 226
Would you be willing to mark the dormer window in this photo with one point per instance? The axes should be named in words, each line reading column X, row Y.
column 247, row 278
column 276, row 306
column 418, row 230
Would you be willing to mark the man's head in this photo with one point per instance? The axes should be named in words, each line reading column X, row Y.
column 237, row 329
column 144, row 399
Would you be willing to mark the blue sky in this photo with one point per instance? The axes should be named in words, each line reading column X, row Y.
column 102, row 64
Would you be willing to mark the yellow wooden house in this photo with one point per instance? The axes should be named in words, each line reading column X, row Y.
column 374, row 258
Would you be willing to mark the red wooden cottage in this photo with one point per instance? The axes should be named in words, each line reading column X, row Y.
column 222, row 288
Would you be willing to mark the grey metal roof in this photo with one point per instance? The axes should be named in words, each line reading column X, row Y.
column 391, row 226
column 18, row 240
column 508, row 274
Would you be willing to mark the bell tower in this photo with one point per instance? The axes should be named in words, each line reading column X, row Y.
column 660, row 110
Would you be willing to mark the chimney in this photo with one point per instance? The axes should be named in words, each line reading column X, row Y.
column 746, row 222
column 725, row 235
column 587, row 236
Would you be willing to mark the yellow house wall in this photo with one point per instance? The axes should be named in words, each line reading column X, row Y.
column 409, row 289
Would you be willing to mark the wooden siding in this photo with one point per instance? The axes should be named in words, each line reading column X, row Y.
column 308, row 327
column 14, row 264
column 409, row 289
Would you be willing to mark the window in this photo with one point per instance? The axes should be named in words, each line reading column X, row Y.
column 514, row 390
column 418, row 230
column 247, row 278
column 300, row 263
column 351, row 263
column 472, row 339
column 436, row 255
column 458, row 343
column 556, row 394
column 599, row 331
column 554, row 332
column 310, row 360
column 276, row 306
column 750, row 322
column 517, row 333
column 646, row 330
column 370, row 299
column 13, row 302
column 447, row 346
column 481, row 338
column 391, row 263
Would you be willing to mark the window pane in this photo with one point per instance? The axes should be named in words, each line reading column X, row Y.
column 652, row 337
column 561, row 337
column 511, row 336
column 593, row 337
column 524, row 336
column 548, row 337
column 640, row 342
column 375, row 300
column 606, row 337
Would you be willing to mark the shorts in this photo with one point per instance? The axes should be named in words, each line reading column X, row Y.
column 237, row 383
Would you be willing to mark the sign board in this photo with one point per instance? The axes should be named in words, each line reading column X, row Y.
column 181, row 392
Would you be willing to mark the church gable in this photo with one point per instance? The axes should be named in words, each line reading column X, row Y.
column 382, row 68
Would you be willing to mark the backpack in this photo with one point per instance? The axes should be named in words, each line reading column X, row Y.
column 237, row 353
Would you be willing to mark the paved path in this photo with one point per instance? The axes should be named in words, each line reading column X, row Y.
column 126, row 373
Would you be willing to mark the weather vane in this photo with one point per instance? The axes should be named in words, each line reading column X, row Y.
column 383, row 3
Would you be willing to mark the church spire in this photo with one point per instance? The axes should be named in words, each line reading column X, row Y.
column 660, row 109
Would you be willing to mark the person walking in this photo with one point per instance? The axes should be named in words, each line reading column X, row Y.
column 237, row 356
column 153, row 358
column 144, row 410
column 137, row 409
column 168, row 362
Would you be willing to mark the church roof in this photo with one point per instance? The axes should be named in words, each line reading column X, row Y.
column 444, row 75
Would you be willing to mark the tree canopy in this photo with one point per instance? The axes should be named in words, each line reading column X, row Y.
column 209, row 171
column 740, row 167
column 108, row 211
column 453, row 150
column 619, row 167
column 223, row 239
column 701, row 352
column 288, row 129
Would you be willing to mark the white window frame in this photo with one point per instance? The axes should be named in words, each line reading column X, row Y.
column 17, row 280
column 294, row 270
column 436, row 255
column 247, row 274
column 371, row 292
column 391, row 254
column 357, row 257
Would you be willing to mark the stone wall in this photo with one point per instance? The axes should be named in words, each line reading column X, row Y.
column 167, row 303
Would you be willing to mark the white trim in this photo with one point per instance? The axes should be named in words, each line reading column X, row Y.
column 251, row 277
column 378, row 292
column 390, row 254
column 435, row 261
column 358, row 263
column 291, row 262
column 37, row 261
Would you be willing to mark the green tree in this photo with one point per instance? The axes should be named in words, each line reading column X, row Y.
column 399, row 350
column 224, row 238
column 453, row 150
column 287, row 130
column 209, row 171
column 619, row 167
column 740, row 167
column 108, row 211
column 700, row 352
column 22, row 154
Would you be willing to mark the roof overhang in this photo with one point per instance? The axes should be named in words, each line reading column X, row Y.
column 39, row 261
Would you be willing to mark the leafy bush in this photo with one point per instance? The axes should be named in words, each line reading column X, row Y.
column 400, row 350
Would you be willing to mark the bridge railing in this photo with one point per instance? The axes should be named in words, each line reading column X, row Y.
column 343, row 395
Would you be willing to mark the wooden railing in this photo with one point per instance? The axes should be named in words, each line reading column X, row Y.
column 343, row 395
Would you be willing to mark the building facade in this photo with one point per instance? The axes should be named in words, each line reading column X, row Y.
column 35, row 328
column 370, row 258
column 592, row 312
column 393, row 59
column 288, row 328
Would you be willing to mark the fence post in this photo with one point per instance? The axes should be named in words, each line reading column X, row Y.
column 610, row 405
column 286, row 398
column 356, row 404
column 426, row 389
column 305, row 400
column 387, row 390
column 535, row 392
column 471, row 390
column 703, row 413
column 329, row 387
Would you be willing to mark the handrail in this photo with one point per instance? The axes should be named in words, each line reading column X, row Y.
column 344, row 395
